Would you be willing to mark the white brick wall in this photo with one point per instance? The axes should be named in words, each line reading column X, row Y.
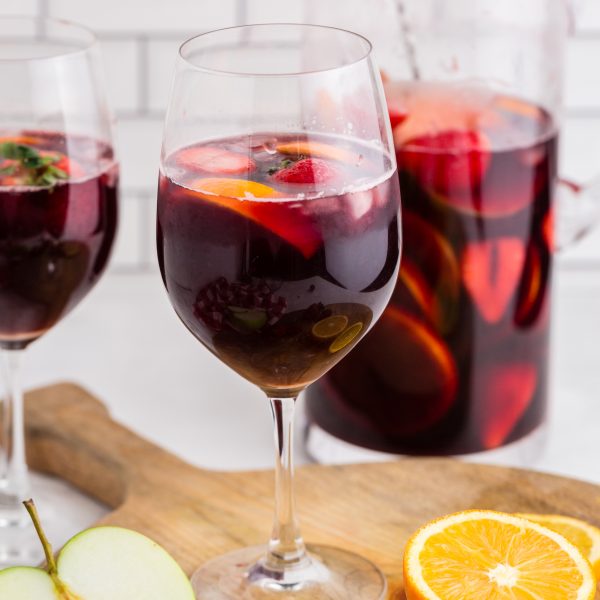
column 139, row 42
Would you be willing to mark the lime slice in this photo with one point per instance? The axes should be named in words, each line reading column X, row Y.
column 342, row 340
column 330, row 327
column 248, row 319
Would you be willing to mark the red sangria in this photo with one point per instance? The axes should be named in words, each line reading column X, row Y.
column 58, row 216
column 458, row 362
column 279, row 251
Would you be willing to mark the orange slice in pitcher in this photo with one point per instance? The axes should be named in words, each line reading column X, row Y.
column 486, row 554
column 247, row 198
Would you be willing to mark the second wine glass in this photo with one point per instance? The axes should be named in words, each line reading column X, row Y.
column 279, row 244
column 58, row 218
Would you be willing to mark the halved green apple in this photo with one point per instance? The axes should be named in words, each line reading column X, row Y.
column 103, row 563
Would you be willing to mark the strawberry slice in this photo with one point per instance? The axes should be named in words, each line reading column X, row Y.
column 212, row 159
column 397, row 116
column 309, row 170
column 285, row 219
column 507, row 391
column 70, row 166
column 448, row 160
column 491, row 271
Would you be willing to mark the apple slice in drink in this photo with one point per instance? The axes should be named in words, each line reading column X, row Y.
column 99, row 564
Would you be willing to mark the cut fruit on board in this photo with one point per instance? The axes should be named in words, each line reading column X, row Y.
column 480, row 554
column 583, row 535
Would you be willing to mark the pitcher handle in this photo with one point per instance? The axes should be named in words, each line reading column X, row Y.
column 577, row 211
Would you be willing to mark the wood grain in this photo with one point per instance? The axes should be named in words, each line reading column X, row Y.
column 197, row 514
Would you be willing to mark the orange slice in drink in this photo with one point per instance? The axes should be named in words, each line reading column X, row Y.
column 247, row 198
column 583, row 535
column 318, row 150
column 480, row 554
column 330, row 327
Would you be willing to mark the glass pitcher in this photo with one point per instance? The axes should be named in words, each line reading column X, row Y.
column 459, row 363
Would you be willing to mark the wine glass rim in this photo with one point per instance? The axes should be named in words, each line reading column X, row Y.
column 86, row 44
column 230, row 72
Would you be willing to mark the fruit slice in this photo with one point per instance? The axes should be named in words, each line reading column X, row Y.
column 548, row 230
column 285, row 219
column 532, row 290
column 436, row 273
column 505, row 392
column 346, row 337
column 70, row 166
column 120, row 564
column 480, row 554
column 309, row 170
column 99, row 564
column 447, row 161
column 329, row 327
column 581, row 534
column 491, row 271
column 318, row 150
column 213, row 159
column 411, row 279
column 26, row 140
column 408, row 374
column 26, row 583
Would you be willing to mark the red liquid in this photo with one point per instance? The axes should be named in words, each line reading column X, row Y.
column 54, row 241
column 459, row 361
column 279, row 287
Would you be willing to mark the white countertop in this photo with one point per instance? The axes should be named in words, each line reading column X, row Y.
column 126, row 345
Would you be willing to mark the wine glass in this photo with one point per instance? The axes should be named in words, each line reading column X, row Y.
column 58, row 215
column 278, row 241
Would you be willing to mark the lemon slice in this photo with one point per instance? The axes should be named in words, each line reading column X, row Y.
column 345, row 338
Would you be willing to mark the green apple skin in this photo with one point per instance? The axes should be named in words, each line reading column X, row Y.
column 103, row 563
column 110, row 563
column 26, row 583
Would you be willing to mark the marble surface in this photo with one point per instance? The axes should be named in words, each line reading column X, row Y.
column 126, row 345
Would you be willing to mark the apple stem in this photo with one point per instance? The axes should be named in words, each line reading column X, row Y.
column 35, row 517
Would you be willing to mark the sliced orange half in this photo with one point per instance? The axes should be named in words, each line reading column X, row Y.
column 247, row 198
column 318, row 150
column 583, row 535
column 482, row 554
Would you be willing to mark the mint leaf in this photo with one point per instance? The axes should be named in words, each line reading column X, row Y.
column 39, row 170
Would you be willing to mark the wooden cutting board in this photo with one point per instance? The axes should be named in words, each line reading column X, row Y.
column 198, row 514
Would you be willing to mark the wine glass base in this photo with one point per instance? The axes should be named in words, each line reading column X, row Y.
column 332, row 574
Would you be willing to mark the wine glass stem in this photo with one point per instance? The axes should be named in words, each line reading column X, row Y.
column 14, row 477
column 286, row 547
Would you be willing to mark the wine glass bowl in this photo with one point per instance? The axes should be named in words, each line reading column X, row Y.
column 58, row 216
column 278, row 235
